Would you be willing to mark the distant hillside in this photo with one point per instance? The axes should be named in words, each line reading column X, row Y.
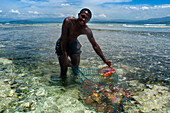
column 152, row 20
column 59, row 20
column 5, row 19
column 156, row 20
column 111, row 21
column 33, row 21
column 48, row 19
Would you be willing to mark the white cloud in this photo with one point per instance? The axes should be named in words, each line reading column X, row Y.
column 46, row 3
column 102, row 15
column 0, row 11
column 104, row 1
column 14, row 11
column 139, row 8
column 33, row 12
column 161, row 6
column 149, row 7
column 65, row 4
column 133, row 7
column 145, row 8
column 65, row 15
column 28, row 1
column 62, row 15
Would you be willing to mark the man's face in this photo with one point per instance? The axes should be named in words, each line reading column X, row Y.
column 84, row 17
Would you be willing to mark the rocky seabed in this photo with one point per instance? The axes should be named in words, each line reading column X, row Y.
column 22, row 93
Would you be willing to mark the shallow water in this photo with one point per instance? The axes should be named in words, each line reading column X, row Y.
column 28, row 60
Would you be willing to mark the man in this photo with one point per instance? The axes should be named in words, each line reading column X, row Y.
column 68, row 45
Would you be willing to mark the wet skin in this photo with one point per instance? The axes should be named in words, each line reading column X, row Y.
column 72, row 28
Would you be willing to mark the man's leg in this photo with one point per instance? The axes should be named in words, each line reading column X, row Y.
column 75, row 60
column 63, row 67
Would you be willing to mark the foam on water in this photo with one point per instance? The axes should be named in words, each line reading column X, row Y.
column 148, row 25
column 2, row 45
column 132, row 27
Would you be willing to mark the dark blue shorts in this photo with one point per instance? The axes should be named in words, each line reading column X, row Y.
column 72, row 48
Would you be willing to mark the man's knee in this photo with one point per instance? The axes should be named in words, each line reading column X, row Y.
column 75, row 59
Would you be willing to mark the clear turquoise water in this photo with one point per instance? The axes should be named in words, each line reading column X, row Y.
column 143, row 49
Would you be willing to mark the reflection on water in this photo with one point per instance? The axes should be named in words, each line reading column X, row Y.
column 140, row 57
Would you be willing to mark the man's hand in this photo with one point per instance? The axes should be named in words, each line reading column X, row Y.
column 69, row 63
column 108, row 63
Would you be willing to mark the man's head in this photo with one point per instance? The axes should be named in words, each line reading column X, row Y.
column 88, row 10
column 84, row 16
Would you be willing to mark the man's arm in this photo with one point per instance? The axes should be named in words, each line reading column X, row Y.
column 64, row 34
column 96, row 47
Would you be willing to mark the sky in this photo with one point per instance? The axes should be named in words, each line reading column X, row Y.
column 101, row 9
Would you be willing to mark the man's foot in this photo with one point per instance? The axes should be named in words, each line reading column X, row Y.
column 63, row 76
column 54, row 78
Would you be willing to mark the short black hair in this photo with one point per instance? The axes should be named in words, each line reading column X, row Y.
column 86, row 9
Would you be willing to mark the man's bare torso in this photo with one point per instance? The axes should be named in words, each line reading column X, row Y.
column 74, row 29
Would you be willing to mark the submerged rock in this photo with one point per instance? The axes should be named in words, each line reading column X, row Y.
column 11, row 93
column 41, row 92
column 5, row 61
column 4, row 89
column 120, row 71
column 75, row 93
column 67, row 104
column 133, row 83
column 151, row 98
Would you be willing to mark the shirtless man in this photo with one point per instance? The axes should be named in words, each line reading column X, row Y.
column 68, row 45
